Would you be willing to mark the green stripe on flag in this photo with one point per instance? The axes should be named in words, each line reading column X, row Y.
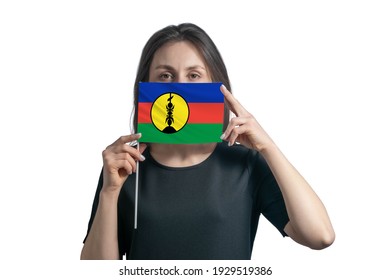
column 189, row 134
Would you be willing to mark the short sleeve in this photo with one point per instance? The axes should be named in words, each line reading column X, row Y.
column 95, row 203
column 270, row 202
column 121, row 242
column 273, row 206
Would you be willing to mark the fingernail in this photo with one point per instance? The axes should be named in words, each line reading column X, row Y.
column 222, row 136
column 142, row 157
column 223, row 86
column 139, row 134
column 230, row 144
column 133, row 143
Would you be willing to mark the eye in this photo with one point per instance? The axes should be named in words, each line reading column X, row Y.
column 194, row 76
column 166, row 76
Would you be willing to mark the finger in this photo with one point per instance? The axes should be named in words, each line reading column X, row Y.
column 132, row 151
column 128, row 158
column 232, row 136
column 234, row 122
column 114, row 162
column 124, row 164
column 127, row 166
column 232, row 102
column 236, row 134
column 128, row 138
column 132, row 155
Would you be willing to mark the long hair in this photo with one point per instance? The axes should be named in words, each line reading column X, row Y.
column 176, row 33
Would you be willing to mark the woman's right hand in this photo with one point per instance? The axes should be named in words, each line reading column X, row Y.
column 119, row 161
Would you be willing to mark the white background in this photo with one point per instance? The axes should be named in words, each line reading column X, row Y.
column 316, row 74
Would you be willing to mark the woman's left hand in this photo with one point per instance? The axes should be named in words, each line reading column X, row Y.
column 244, row 128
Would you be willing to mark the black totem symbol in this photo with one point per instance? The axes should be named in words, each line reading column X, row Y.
column 169, row 119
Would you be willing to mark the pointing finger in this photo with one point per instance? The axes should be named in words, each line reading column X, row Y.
column 232, row 102
column 128, row 138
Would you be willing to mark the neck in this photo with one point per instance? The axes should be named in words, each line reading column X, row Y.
column 181, row 155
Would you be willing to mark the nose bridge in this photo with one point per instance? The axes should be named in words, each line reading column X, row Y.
column 180, row 77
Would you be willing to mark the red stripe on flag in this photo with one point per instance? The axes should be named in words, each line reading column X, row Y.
column 206, row 112
column 199, row 112
column 144, row 112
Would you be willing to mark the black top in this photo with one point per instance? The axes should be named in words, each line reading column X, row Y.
column 206, row 211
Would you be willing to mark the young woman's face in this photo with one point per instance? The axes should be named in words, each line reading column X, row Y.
column 178, row 62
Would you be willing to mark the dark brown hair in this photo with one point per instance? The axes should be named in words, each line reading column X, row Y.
column 176, row 33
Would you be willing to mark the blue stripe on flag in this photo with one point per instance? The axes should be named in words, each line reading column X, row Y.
column 191, row 92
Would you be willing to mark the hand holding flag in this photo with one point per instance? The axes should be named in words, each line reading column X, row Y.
column 119, row 161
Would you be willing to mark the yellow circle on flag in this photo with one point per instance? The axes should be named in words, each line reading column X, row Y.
column 169, row 112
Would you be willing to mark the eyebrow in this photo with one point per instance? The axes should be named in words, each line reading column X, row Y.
column 168, row 67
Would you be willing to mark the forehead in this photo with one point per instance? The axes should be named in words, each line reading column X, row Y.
column 182, row 53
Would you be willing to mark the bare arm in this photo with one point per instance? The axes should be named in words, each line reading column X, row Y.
column 119, row 161
column 309, row 222
column 102, row 240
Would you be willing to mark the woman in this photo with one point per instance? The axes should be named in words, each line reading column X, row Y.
column 199, row 201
